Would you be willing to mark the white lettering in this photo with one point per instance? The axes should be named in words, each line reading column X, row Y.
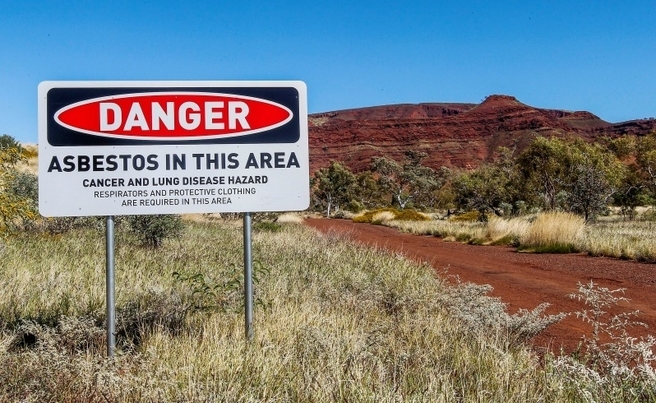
column 105, row 124
column 237, row 111
column 211, row 113
column 159, row 115
column 136, row 118
column 190, row 115
column 191, row 120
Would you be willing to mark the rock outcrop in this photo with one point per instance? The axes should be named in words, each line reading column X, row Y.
column 452, row 134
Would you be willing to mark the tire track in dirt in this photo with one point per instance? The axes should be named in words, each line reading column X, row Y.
column 521, row 280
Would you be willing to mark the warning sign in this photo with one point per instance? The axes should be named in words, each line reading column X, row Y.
column 121, row 148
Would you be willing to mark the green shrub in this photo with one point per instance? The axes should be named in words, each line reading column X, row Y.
column 267, row 226
column 354, row 206
column 151, row 230
column 25, row 185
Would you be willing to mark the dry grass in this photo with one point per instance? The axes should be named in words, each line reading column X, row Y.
column 382, row 217
column 461, row 231
column 333, row 323
column 635, row 240
column 553, row 232
column 548, row 232
column 290, row 218
column 499, row 229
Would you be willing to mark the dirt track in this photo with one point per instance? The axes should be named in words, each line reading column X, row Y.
column 521, row 280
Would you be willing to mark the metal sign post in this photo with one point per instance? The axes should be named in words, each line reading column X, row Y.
column 110, row 301
column 248, row 276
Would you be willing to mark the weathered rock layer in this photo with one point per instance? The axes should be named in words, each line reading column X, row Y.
column 452, row 134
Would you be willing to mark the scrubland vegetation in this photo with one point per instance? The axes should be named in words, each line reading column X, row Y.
column 550, row 232
column 333, row 322
column 556, row 195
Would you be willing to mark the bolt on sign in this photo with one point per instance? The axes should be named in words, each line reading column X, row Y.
column 172, row 147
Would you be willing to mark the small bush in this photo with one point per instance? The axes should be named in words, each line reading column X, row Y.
column 470, row 216
column 354, row 206
column 151, row 230
column 380, row 218
column 612, row 364
column 368, row 216
column 267, row 226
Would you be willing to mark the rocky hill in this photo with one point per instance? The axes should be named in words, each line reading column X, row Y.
column 452, row 134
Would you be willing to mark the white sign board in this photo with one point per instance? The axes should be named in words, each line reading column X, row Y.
column 169, row 147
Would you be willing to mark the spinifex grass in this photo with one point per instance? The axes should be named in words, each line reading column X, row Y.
column 553, row 232
column 634, row 240
column 549, row 232
column 333, row 323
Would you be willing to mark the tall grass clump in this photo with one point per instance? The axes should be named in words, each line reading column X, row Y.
column 553, row 232
column 449, row 230
column 506, row 231
column 634, row 240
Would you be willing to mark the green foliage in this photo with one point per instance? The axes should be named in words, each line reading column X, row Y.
column 333, row 186
column 17, row 203
column 151, row 230
column 577, row 176
column 563, row 248
column 11, row 151
column 267, row 226
column 646, row 161
column 543, row 165
column 588, row 192
column 355, row 206
column 25, row 185
column 222, row 294
column 368, row 192
column 487, row 189
column 409, row 181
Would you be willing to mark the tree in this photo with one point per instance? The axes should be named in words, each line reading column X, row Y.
column 544, row 165
column 333, row 186
column 631, row 193
column 485, row 189
column 580, row 171
column 15, row 207
column 646, row 161
column 589, row 192
column 409, row 181
column 367, row 191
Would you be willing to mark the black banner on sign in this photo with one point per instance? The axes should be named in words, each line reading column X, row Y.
column 59, row 98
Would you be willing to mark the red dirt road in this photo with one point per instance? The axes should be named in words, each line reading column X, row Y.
column 521, row 280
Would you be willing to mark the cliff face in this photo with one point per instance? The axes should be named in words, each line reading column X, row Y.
column 453, row 135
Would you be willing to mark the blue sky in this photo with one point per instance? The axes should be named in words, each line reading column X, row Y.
column 598, row 56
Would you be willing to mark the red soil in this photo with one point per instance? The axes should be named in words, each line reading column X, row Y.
column 522, row 280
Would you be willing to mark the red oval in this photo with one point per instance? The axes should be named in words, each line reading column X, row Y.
column 173, row 116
